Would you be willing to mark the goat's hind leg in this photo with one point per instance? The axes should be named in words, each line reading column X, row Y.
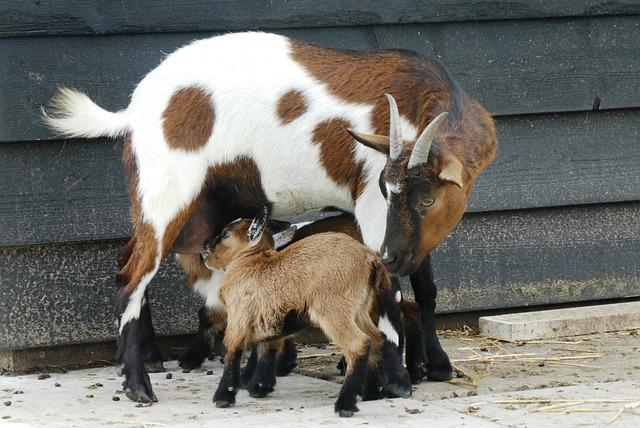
column 354, row 344
column 151, row 355
column 200, row 347
column 263, row 379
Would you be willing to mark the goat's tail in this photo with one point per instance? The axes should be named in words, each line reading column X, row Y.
column 73, row 114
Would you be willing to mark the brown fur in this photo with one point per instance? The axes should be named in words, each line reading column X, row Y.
column 262, row 285
column 188, row 119
column 291, row 106
column 337, row 154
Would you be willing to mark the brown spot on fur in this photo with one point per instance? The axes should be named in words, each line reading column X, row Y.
column 188, row 119
column 419, row 88
column 337, row 154
column 291, row 106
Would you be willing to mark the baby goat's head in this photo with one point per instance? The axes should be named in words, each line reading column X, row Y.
column 425, row 192
column 239, row 237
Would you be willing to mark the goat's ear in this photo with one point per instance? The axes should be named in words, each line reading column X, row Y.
column 283, row 237
column 373, row 141
column 258, row 225
column 452, row 171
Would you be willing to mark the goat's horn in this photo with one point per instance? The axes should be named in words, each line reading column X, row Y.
column 395, row 130
column 421, row 148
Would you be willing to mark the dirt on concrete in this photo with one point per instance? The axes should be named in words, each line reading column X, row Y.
column 576, row 381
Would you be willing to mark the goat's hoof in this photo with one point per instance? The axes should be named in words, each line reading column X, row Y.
column 224, row 398
column 394, row 390
column 346, row 407
column 416, row 374
column 190, row 361
column 440, row 374
column 140, row 396
column 259, row 390
column 223, row 404
column 154, row 366
column 138, row 388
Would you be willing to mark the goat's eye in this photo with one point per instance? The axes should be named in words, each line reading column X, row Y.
column 426, row 203
column 225, row 234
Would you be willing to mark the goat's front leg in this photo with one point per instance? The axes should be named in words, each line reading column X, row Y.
column 424, row 289
column 225, row 395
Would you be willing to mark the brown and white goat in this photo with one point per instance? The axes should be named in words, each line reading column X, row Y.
column 272, row 112
column 328, row 280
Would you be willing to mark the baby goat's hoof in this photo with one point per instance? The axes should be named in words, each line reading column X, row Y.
column 259, row 390
column 224, row 399
column 223, row 404
column 345, row 408
column 393, row 390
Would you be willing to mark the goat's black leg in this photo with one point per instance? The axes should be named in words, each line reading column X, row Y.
column 137, row 385
column 416, row 357
column 424, row 289
column 264, row 376
column 200, row 347
column 225, row 395
column 353, row 384
column 151, row 355
column 250, row 368
column 286, row 359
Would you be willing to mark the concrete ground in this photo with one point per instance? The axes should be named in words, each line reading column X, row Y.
column 572, row 382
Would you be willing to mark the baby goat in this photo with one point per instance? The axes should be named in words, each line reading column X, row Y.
column 328, row 280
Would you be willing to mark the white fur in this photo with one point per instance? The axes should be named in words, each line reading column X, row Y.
column 75, row 115
column 209, row 288
column 385, row 326
column 137, row 299
column 392, row 187
column 398, row 296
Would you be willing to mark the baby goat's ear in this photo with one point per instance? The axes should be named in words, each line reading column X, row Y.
column 257, row 226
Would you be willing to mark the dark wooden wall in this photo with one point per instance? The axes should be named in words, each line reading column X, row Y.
column 554, row 219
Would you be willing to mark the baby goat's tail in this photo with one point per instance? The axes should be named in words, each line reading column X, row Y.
column 73, row 114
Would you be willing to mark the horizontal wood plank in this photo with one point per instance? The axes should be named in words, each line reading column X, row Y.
column 539, row 66
column 66, row 17
column 63, row 294
column 513, row 67
column 537, row 257
column 75, row 190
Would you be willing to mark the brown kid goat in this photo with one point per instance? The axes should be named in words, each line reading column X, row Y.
column 271, row 294
column 278, row 357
